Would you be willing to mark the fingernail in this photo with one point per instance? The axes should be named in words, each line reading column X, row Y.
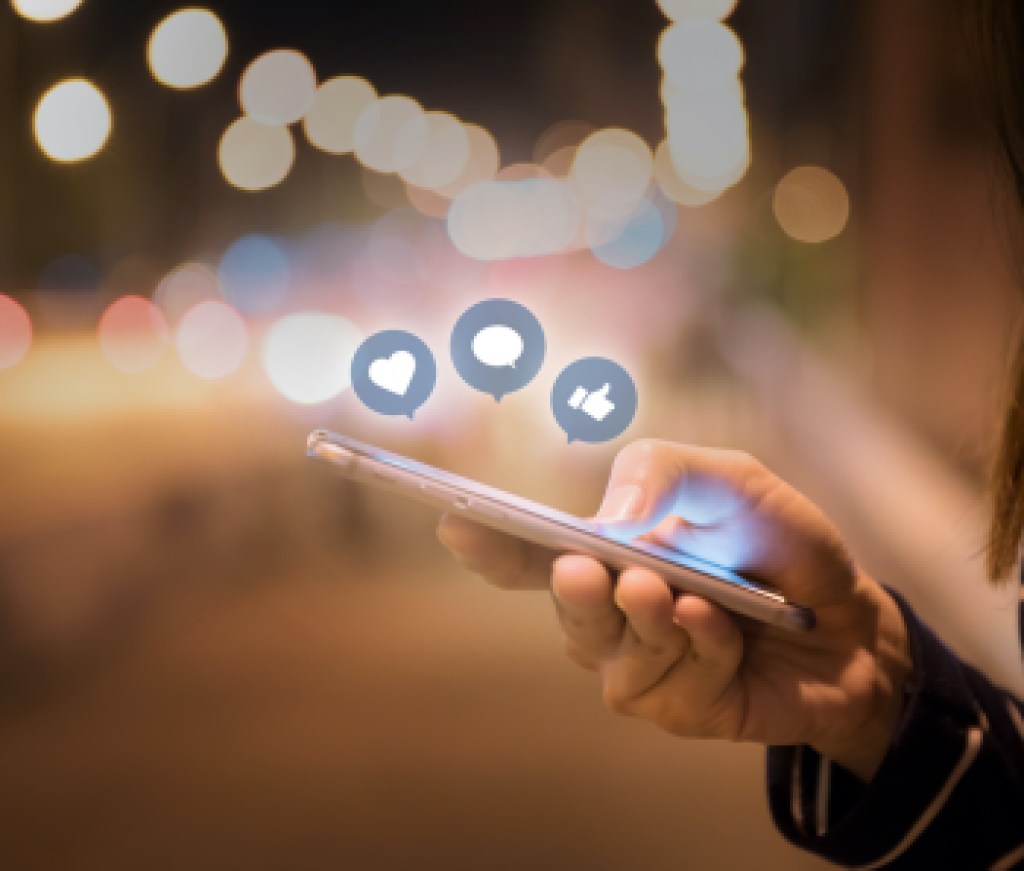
column 622, row 503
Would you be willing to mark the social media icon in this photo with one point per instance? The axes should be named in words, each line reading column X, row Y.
column 393, row 372
column 497, row 346
column 596, row 404
column 593, row 400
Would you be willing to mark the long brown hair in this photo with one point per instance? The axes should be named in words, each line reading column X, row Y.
column 996, row 36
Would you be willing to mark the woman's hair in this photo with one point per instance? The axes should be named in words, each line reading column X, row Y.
column 997, row 43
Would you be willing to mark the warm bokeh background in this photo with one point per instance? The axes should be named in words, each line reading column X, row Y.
column 214, row 655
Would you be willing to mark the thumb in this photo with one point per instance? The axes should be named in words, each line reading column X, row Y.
column 603, row 392
column 652, row 479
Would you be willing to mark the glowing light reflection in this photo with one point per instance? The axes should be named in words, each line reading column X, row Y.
column 308, row 356
column 45, row 11
column 72, row 121
column 811, row 204
column 330, row 121
column 133, row 334
column 255, row 156
column 255, row 274
column 390, row 133
column 212, row 339
column 183, row 287
column 15, row 332
column 187, row 49
column 278, row 87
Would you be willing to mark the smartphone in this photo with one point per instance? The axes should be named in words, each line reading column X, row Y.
column 553, row 529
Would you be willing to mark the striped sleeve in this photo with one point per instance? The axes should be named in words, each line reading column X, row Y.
column 949, row 792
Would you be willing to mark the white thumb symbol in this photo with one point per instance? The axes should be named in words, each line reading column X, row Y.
column 597, row 405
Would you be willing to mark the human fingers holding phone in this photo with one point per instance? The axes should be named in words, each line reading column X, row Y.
column 685, row 663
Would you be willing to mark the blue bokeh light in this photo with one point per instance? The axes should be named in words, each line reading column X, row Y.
column 255, row 274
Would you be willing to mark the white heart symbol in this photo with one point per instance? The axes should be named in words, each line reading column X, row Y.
column 393, row 373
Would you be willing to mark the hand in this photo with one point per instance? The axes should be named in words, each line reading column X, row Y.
column 684, row 663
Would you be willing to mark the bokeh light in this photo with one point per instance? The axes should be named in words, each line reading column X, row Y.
column 635, row 240
column 133, row 334
column 525, row 217
column 45, row 10
column 481, row 165
column 444, row 155
column 212, row 339
column 700, row 56
column 278, row 87
column 72, row 121
column 673, row 186
column 308, row 356
column 811, row 204
column 708, row 137
column 330, row 121
column 255, row 156
column 562, row 134
column 187, row 49
column 390, row 133
column 716, row 9
column 255, row 274
column 613, row 167
column 15, row 332
column 183, row 287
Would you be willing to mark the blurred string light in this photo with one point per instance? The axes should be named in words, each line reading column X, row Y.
column 391, row 133
column 278, row 87
column 674, row 187
column 15, row 332
column 528, row 217
column 444, row 153
column 637, row 237
column 254, row 274
column 708, row 141
column 183, row 287
column 811, row 204
column 212, row 339
column 254, row 156
column 45, row 10
column 72, row 121
column 133, row 334
column 308, row 355
column 330, row 121
column 716, row 9
column 187, row 49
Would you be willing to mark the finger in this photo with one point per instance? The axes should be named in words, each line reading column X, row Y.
column 501, row 559
column 584, row 601
column 725, row 507
column 646, row 601
column 716, row 642
column 651, row 479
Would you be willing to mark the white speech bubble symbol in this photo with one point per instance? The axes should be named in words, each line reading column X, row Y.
column 497, row 345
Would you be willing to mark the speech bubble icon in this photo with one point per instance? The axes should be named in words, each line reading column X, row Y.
column 498, row 345
column 593, row 400
column 393, row 372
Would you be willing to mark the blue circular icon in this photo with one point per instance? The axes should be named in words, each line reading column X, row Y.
column 593, row 400
column 497, row 346
column 393, row 372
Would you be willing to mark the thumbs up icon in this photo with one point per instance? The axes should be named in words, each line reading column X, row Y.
column 594, row 404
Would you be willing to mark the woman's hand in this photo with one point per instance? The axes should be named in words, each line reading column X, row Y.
column 684, row 663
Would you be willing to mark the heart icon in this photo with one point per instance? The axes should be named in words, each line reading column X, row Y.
column 393, row 373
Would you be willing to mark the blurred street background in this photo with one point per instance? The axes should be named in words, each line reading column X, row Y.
column 784, row 219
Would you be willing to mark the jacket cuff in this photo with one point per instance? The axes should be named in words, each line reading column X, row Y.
column 819, row 806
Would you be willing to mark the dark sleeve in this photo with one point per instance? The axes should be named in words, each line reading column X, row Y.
column 949, row 792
